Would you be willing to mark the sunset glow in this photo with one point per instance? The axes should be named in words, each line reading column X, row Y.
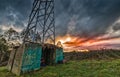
column 79, row 24
column 83, row 44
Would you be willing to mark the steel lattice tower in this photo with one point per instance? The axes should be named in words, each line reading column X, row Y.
column 41, row 24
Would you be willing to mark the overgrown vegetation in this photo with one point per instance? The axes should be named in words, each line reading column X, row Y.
column 84, row 68
column 93, row 54
column 4, row 54
column 100, row 63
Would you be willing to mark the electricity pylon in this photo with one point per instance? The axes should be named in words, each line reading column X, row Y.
column 41, row 24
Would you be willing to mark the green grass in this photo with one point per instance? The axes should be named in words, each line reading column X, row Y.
column 84, row 68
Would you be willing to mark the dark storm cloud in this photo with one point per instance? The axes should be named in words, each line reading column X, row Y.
column 14, row 12
column 83, row 18
column 91, row 17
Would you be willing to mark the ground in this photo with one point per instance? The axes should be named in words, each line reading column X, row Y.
column 84, row 68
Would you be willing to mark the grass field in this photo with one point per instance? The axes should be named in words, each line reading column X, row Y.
column 84, row 68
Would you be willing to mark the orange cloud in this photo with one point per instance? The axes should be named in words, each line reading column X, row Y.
column 71, row 42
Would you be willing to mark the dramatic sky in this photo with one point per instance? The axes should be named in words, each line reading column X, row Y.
column 80, row 24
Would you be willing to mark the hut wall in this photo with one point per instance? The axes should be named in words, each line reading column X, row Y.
column 59, row 55
column 15, row 60
column 31, row 59
column 27, row 58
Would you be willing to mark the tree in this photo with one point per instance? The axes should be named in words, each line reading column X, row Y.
column 6, row 43
column 4, row 54
column 11, row 34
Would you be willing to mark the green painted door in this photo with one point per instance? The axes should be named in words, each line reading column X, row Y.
column 31, row 59
column 59, row 55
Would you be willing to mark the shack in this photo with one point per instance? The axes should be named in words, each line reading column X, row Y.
column 32, row 56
